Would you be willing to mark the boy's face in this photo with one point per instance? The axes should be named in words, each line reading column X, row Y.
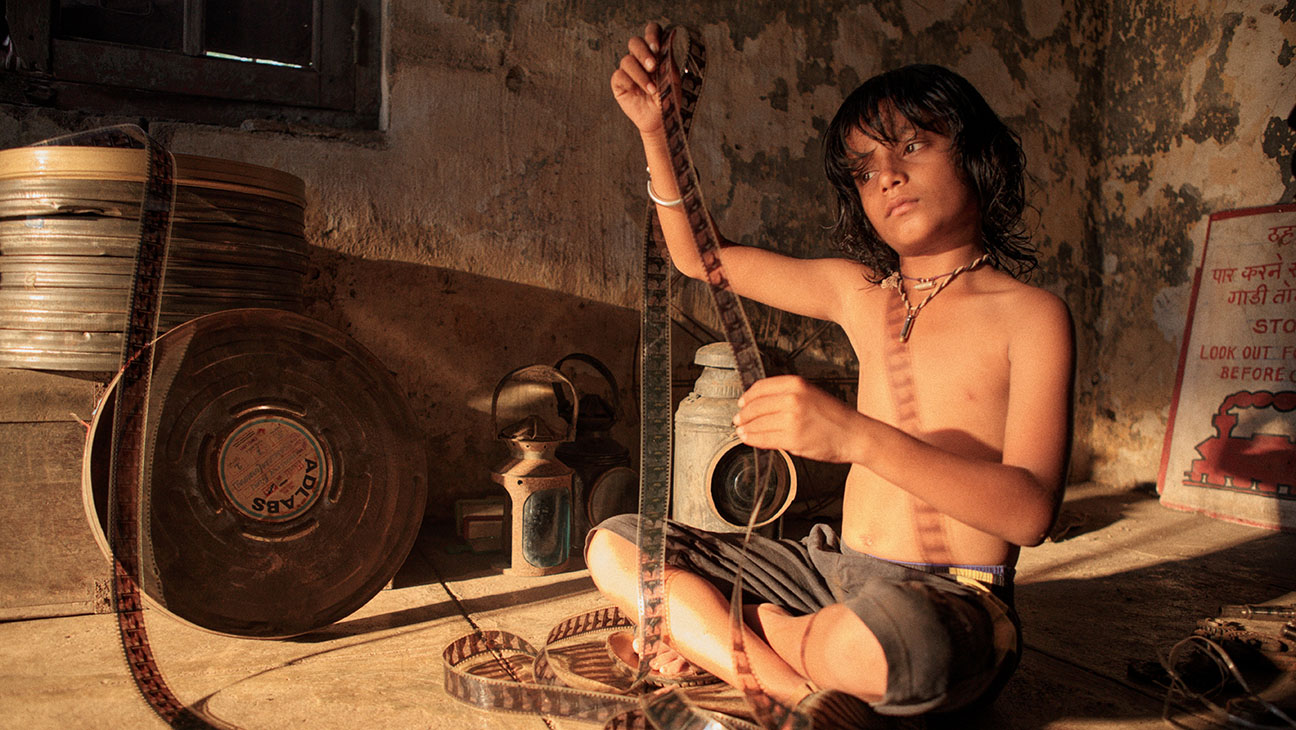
column 913, row 191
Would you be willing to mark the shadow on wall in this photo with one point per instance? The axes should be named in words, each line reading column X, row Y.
column 449, row 337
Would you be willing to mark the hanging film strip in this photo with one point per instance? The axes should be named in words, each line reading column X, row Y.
column 678, row 44
column 634, row 707
column 127, row 453
column 680, row 69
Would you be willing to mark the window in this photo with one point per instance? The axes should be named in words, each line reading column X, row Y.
column 214, row 61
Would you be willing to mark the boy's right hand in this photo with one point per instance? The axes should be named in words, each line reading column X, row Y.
column 632, row 82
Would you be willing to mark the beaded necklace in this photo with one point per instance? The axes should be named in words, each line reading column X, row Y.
column 896, row 281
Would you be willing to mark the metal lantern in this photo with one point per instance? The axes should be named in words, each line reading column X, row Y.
column 714, row 472
column 531, row 399
column 605, row 485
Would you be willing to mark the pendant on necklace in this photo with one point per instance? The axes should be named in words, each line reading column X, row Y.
column 924, row 284
column 908, row 325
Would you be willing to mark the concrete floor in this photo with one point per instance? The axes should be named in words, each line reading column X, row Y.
column 1128, row 580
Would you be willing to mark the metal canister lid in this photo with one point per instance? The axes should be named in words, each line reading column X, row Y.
column 716, row 355
column 109, row 163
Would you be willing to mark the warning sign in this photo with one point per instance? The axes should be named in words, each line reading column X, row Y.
column 1230, row 448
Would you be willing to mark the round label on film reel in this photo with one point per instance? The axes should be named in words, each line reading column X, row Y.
column 272, row 468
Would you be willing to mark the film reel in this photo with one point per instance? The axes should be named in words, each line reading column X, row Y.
column 733, row 489
column 284, row 482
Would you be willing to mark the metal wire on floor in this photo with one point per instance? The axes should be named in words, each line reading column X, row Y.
column 1228, row 670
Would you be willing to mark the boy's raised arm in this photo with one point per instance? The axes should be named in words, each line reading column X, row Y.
column 791, row 284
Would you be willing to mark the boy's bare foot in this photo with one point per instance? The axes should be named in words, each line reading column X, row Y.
column 669, row 665
column 668, row 662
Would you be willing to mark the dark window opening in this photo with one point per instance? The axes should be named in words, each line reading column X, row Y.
column 214, row 61
column 268, row 32
column 146, row 23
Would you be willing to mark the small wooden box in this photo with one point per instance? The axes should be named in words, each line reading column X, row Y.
column 50, row 564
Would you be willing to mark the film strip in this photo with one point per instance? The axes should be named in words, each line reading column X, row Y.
column 667, row 709
column 632, row 709
column 127, row 453
column 677, row 119
column 499, row 671
column 676, row 116
column 465, row 659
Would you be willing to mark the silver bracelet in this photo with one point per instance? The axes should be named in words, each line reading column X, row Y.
column 666, row 203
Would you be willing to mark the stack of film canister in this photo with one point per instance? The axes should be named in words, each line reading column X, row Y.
column 69, row 231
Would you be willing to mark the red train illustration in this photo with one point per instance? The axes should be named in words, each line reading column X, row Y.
column 1263, row 464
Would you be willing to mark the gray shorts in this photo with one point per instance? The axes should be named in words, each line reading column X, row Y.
column 950, row 641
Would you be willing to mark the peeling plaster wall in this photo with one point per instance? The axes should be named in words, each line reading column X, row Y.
column 1196, row 97
column 506, row 180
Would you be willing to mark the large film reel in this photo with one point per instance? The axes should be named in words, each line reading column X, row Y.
column 284, row 480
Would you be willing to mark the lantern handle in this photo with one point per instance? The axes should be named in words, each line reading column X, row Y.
column 603, row 370
column 561, row 380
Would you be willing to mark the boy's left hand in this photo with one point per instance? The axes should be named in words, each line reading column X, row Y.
column 786, row 412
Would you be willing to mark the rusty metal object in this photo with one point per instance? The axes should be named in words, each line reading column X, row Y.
column 1259, row 612
column 538, row 484
column 714, row 481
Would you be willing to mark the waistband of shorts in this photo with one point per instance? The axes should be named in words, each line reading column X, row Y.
column 994, row 575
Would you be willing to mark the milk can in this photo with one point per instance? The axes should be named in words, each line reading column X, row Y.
column 714, row 484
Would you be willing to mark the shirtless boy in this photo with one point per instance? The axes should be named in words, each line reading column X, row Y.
column 958, row 441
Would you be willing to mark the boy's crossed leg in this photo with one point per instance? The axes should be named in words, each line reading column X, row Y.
column 831, row 648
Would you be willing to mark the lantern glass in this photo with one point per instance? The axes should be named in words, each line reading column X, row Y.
column 546, row 527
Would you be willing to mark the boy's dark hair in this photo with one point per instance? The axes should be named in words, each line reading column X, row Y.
column 988, row 152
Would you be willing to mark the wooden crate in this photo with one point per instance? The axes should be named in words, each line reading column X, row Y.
column 50, row 564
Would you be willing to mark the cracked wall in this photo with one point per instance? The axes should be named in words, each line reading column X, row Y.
column 1196, row 100
column 507, row 180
